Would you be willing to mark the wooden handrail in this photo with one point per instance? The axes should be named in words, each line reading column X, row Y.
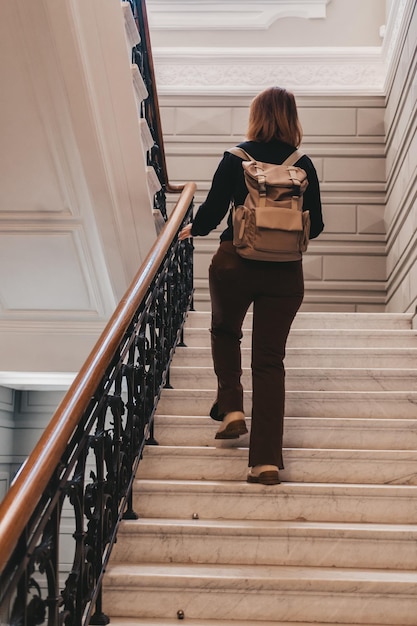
column 32, row 479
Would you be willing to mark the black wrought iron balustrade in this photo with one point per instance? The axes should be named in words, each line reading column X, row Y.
column 142, row 57
column 91, row 488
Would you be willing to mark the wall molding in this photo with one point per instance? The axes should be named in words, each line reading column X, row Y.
column 39, row 381
column 240, row 71
column 229, row 14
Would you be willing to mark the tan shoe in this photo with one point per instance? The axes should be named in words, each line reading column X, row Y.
column 264, row 475
column 233, row 425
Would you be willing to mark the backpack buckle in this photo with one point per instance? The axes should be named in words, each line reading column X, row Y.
column 262, row 184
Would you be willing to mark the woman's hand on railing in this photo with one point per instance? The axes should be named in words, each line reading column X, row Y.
column 185, row 233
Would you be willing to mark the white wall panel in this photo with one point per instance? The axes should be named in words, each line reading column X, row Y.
column 340, row 218
column 313, row 267
column 34, row 410
column 46, row 346
column 358, row 267
column 7, row 405
column 356, row 169
column 35, row 168
column 240, row 118
column 49, row 272
column 371, row 122
column 328, row 121
column 203, row 121
column 192, row 166
column 371, row 219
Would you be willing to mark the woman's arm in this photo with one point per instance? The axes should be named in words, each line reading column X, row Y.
column 217, row 203
column 312, row 198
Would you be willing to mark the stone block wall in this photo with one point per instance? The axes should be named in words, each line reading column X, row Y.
column 345, row 268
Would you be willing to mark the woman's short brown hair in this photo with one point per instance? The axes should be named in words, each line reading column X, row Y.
column 273, row 115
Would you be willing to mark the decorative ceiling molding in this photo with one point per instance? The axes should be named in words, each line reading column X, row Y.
column 242, row 71
column 228, row 14
column 315, row 70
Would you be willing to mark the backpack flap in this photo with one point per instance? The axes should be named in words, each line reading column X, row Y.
column 279, row 218
column 273, row 182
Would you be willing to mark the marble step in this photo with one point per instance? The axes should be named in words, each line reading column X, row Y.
column 247, row 542
column 302, row 465
column 257, row 592
column 312, row 502
column 138, row 621
column 346, row 404
column 315, row 357
column 322, row 338
column 308, row 379
column 299, row 432
column 383, row 321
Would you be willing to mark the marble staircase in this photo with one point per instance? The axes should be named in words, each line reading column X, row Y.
column 335, row 543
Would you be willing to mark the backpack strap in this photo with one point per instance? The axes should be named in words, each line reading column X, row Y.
column 240, row 152
column 293, row 158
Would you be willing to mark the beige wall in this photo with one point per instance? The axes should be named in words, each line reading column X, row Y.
column 401, row 165
column 345, row 268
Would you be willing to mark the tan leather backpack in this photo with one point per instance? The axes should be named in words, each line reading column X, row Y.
column 271, row 224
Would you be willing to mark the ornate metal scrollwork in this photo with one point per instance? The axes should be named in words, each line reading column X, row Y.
column 149, row 110
column 90, row 490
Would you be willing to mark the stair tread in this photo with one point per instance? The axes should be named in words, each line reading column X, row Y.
column 354, row 332
column 255, row 528
column 341, row 356
column 325, row 453
column 357, row 422
column 386, row 394
column 240, row 487
column 309, row 371
column 320, row 319
column 220, row 575
column 137, row 621
column 316, row 464
column 313, row 349
column 306, row 379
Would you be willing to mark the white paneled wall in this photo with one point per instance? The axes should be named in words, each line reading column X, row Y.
column 7, row 401
column 75, row 208
column 401, row 161
column 33, row 412
column 345, row 267
column 24, row 415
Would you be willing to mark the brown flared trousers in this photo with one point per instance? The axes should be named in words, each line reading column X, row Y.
column 276, row 291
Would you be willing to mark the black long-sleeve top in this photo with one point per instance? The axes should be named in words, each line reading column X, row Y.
column 228, row 186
